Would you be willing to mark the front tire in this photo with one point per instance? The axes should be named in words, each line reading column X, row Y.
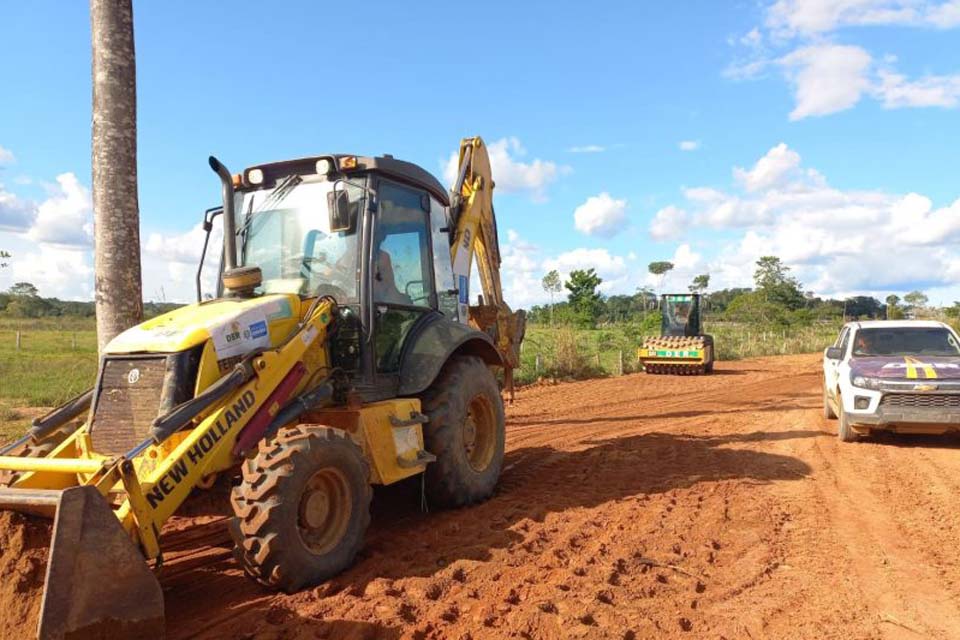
column 302, row 507
column 844, row 431
column 465, row 432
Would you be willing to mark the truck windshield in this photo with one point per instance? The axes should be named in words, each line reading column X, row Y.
column 285, row 230
column 905, row 341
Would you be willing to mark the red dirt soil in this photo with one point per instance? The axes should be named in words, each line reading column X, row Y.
column 717, row 507
column 644, row 506
column 23, row 560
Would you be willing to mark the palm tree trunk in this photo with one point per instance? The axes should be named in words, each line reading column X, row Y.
column 119, row 299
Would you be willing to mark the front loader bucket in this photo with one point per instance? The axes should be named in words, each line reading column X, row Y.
column 97, row 585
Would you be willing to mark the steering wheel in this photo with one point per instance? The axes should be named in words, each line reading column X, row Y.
column 331, row 290
column 423, row 290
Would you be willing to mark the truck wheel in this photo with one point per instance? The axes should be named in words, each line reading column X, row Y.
column 844, row 432
column 828, row 411
column 302, row 507
column 465, row 433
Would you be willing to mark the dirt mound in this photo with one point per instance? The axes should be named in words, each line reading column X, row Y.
column 24, row 544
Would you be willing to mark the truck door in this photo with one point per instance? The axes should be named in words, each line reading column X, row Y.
column 831, row 366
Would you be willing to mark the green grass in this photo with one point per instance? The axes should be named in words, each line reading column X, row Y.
column 573, row 353
column 57, row 358
column 55, row 362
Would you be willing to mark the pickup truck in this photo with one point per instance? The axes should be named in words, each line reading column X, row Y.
column 899, row 376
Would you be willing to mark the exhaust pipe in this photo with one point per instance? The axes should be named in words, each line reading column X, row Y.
column 237, row 281
column 229, row 219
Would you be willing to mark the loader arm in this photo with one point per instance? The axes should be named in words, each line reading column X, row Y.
column 475, row 237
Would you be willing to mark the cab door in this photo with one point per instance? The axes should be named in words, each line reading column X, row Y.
column 403, row 285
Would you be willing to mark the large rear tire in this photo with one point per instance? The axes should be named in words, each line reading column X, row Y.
column 828, row 411
column 465, row 432
column 302, row 507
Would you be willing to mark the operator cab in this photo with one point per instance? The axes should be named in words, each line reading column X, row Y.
column 373, row 233
column 680, row 314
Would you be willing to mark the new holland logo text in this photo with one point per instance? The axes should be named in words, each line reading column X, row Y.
column 182, row 467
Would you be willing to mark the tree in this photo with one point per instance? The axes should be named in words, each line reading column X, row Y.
column 776, row 286
column 551, row 284
column 863, row 306
column 894, row 312
column 660, row 269
column 4, row 255
column 117, row 280
column 23, row 290
column 584, row 297
column 700, row 283
column 916, row 299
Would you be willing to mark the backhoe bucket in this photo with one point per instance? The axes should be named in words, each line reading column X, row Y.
column 97, row 585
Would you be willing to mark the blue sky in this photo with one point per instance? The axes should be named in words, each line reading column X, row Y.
column 706, row 133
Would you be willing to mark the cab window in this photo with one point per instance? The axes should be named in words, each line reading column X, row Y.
column 844, row 343
column 403, row 282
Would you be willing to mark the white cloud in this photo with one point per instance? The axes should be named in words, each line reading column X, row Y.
column 588, row 148
column 790, row 18
column 668, row 223
column 837, row 241
column 6, row 156
column 772, row 170
column 510, row 174
column 896, row 91
column 60, row 272
column 15, row 214
column 66, row 217
column 826, row 78
column 601, row 215
column 611, row 268
column 689, row 145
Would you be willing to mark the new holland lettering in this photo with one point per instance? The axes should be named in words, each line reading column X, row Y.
column 195, row 454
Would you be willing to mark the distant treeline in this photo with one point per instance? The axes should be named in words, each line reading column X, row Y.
column 22, row 300
column 777, row 300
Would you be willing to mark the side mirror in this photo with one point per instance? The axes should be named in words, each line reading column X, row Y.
column 834, row 353
column 341, row 213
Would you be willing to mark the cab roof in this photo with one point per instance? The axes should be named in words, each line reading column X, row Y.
column 895, row 324
column 386, row 165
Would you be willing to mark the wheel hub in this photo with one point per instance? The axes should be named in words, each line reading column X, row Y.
column 316, row 508
column 480, row 433
column 324, row 510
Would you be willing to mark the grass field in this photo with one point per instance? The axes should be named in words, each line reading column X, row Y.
column 57, row 359
column 580, row 353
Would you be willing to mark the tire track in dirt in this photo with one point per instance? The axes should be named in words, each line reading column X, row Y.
column 715, row 507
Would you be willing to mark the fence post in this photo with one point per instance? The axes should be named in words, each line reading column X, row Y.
column 598, row 358
column 620, row 362
column 536, row 364
column 74, row 341
column 18, row 340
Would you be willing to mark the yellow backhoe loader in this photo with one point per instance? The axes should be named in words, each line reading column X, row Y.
column 341, row 352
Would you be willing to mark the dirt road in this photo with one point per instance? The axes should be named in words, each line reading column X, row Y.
column 642, row 506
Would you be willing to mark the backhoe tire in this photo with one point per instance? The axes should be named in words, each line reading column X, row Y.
column 828, row 411
column 465, row 432
column 302, row 507
column 844, row 431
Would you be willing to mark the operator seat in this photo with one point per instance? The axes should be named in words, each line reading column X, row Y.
column 385, row 283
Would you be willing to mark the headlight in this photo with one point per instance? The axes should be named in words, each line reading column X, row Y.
column 864, row 382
